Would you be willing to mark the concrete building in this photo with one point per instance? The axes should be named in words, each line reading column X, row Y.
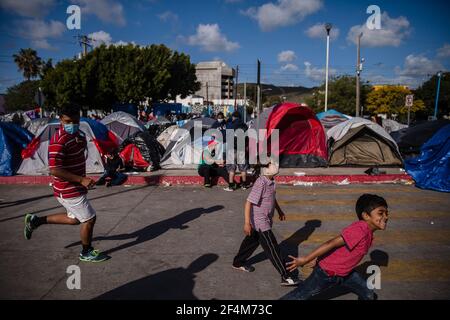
column 217, row 80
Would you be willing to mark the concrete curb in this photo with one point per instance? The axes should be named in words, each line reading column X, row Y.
column 197, row 180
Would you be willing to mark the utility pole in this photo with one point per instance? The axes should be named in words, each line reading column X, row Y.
column 85, row 42
column 439, row 75
column 258, row 89
column 236, row 87
column 358, row 72
column 245, row 102
column 328, row 27
column 207, row 97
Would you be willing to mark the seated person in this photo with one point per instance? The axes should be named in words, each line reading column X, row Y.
column 210, row 167
column 113, row 163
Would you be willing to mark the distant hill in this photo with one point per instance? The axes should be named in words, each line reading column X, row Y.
column 293, row 94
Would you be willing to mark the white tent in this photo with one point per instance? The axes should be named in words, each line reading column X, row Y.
column 38, row 162
column 184, row 150
column 166, row 136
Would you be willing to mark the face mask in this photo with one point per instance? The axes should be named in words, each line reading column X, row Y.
column 71, row 128
column 220, row 120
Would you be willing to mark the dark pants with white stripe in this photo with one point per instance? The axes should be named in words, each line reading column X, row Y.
column 270, row 246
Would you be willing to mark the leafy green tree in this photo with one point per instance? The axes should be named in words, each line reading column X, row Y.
column 341, row 95
column 28, row 62
column 121, row 74
column 21, row 96
column 427, row 93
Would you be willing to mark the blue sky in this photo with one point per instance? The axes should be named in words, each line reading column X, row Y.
column 287, row 35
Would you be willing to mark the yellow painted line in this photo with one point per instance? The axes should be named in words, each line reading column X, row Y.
column 351, row 216
column 291, row 191
column 382, row 237
column 407, row 270
column 351, row 202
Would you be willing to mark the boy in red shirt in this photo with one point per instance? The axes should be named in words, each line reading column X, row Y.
column 339, row 256
column 67, row 164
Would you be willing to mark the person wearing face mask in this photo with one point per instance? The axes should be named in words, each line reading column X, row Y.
column 67, row 164
column 220, row 123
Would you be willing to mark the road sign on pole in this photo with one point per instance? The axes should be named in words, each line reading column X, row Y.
column 409, row 103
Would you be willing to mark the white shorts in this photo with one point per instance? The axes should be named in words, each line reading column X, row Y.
column 78, row 208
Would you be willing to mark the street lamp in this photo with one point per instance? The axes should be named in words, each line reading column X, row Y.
column 328, row 27
column 439, row 75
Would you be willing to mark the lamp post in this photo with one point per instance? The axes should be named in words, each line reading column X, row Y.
column 328, row 27
column 439, row 75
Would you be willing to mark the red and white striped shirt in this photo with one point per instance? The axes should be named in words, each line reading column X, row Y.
column 66, row 151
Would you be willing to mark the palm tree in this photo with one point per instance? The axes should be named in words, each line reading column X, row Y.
column 28, row 62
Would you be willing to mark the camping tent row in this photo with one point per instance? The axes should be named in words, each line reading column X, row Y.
column 302, row 140
column 99, row 141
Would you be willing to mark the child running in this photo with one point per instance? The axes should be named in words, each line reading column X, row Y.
column 259, row 211
column 339, row 256
column 67, row 163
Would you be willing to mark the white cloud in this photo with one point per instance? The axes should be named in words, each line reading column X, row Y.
column 318, row 31
column 33, row 9
column 106, row 10
column 100, row 37
column 168, row 16
column 124, row 43
column 209, row 38
column 282, row 13
column 444, row 52
column 392, row 33
column 289, row 67
column 316, row 74
column 416, row 70
column 418, row 66
column 42, row 44
column 39, row 31
column 286, row 56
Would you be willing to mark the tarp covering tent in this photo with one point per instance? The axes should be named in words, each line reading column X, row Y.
column 123, row 124
column 431, row 170
column 99, row 141
column 391, row 125
column 13, row 139
column 410, row 140
column 165, row 136
column 302, row 140
column 360, row 142
column 331, row 118
column 149, row 149
column 185, row 149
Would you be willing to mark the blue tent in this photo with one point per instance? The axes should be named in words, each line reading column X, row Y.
column 431, row 170
column 331, row 118
column 13, row 139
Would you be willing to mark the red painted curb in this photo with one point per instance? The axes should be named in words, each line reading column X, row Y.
column 194, row 180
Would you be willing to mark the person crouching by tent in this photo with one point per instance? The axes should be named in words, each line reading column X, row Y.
column 113, row 163
column 67, row 163
column 209, row 167
column 258, row 218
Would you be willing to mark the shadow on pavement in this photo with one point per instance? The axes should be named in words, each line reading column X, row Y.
column 172, row 284
column 56, row 207
column 290, row 245
column 154, row 230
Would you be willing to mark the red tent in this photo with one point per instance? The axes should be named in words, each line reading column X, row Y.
column 302, row 139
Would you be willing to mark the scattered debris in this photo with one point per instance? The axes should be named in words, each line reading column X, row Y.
column 303, row 183
column 343, row 182
column 166, row 184
column 432, row 222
